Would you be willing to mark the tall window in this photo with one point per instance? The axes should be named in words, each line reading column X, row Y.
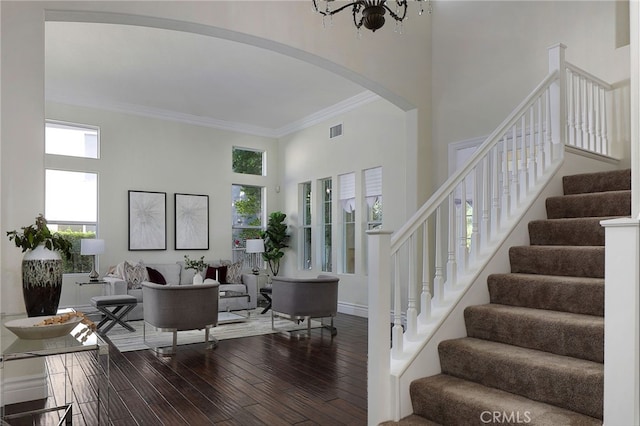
column 248, row 161
column 71, row 208
column 326, row 228
column 72, row 140
column 247, row 216
column 348, row 204
column 306, row 225
column 373, row 197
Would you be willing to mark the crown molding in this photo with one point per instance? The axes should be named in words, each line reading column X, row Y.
column 162, row 114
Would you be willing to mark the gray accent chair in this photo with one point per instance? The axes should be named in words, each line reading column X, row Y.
column 305, row 298
column 174, row 308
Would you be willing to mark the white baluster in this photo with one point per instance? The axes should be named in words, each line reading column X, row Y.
column 533, row 164
column 425, row 295
column 605, row 136
column 541, row 135
column 598, row 117
column 452, row 267
column 571, row 119
column 486, row 220
column 412, row 312
column 524, row 164
column 515, row 184
column 549, row 141
column 495, row 191
column 438, row 280
column 585, row 116
column 591, row 117
column 464, row 253
column 505, row 213
column 397, row 347
column 475, row 214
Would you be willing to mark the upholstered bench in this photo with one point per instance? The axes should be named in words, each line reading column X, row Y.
column 121, row 305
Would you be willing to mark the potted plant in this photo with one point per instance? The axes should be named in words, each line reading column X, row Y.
column 199, row 266
column 41, row 266
column 275, row 240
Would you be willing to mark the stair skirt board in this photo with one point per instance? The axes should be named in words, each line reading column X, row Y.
column 535, row 353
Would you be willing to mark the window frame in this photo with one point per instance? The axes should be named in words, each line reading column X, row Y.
column 263, row 166
column 306, row 216
column 238, row 244
column 79, row 126
column 326, row 226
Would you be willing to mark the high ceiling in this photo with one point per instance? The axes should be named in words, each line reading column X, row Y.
column 188, row 77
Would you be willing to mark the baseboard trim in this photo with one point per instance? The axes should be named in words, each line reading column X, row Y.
column 24, row 388
column 353, row 309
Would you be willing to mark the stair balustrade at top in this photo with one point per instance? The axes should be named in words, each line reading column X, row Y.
column 433, row 259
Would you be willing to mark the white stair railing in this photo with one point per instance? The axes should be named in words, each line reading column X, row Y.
column 433, row 259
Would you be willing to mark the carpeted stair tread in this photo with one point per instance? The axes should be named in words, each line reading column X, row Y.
column 566, row 382
column 575, row 261
column 452, row 401
column 412, row 420
column 583, row 231
column 595, row 204
column 579, row 295
column 562, row 333
column 615, row 180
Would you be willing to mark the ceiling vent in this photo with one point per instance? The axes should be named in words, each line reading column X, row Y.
column 335, row 131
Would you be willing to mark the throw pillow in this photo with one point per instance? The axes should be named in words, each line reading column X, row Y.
column 134, row 275
column 234, row 273
column 222, row 273
column 155, row 276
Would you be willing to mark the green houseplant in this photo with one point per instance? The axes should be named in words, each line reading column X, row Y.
column 275, row 240
column 41, row 266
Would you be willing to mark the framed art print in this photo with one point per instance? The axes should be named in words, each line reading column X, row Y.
column 192, row 222
column 147, row 220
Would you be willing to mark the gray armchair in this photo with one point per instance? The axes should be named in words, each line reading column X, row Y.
column 174, row 308
column 305, row 298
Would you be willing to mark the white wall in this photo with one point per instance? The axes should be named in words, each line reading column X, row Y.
column 146, row 154
column 488, row 55
column 374, row 135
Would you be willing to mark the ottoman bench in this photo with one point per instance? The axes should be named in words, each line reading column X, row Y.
column 121, row 305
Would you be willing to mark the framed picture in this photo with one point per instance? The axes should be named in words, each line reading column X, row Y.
column 147, row 220
column 192, row 222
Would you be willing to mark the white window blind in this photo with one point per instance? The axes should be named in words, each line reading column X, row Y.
column 373, row 185
column 348, row 192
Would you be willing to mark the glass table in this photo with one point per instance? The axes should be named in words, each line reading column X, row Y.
column 228, row 316
column 75, row 369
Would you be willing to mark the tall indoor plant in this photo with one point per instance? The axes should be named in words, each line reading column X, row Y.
column 275, row 240
column 41, row 266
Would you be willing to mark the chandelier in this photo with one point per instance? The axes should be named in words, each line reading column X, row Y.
column 370, row 13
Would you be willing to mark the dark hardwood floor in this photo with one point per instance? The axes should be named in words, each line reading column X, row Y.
column 276, row 379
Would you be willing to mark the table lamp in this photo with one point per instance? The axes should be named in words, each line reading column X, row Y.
column 92, row 247
column 255, row 248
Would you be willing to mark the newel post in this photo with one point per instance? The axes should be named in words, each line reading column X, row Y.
column 621, row 322
column 558, row 99
column 379, row 393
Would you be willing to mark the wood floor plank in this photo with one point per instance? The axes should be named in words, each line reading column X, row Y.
column 277, row 379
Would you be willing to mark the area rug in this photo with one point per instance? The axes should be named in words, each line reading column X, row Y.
column 256, row 324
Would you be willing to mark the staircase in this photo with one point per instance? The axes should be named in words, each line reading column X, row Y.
column 535, row 353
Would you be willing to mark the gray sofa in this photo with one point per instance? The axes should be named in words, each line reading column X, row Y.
column 176, row 274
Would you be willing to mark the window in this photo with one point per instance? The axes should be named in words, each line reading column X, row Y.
column 306, row 225
column 326, row 228
column 373, row 197
column 247, row 216
column 248, row 161
column 71, row 208
column 348, row 204
column 73, row 140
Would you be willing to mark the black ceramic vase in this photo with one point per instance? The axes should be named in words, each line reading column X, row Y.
column 41, row 281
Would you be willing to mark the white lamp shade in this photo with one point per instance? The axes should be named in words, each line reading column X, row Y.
column 255, row 246
column 91, row 246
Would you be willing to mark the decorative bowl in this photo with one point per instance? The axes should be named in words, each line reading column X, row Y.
column 26, row 328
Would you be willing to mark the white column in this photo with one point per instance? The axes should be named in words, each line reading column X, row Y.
column 378, row 365
column 622, row 322
column 558, row 99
